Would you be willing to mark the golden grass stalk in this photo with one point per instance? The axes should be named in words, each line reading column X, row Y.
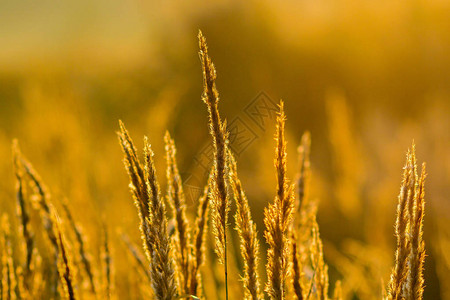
column 177, row 201
column 65, row 266
column 219, row 200
column 400, row 271
column 277, row 219
column 83, row 254
column 151, row 209
column 247, row 235
column 407, row 276
column 138, row 186
column 23, row 214
column 162, row 272
column 415, row 281
column 198, row 255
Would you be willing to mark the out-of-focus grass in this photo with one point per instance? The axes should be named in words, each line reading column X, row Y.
column 364, row 77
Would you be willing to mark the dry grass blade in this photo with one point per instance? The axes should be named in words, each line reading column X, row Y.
column 177, row 200
column 219, row 200
column 277, row 218
column 247, row 235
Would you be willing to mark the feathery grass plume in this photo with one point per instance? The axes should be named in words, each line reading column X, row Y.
column 198, row 255
column 416, row 261
column 23, row 214
column 297, row 270
column 219, row 199
column 106, row 259
column 277, row 219
column 247, row 235
column 65, row 267
column 162, row 272
column 400, row 271
column 8, row 278
column 138, row 186
column 153, row 222
column 304, row 169
column 83, row 254
column 177, row 201
column 136, row 254
column 337, row 294
column 320, row 268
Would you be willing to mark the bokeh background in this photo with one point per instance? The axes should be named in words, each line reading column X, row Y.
column 366, row 78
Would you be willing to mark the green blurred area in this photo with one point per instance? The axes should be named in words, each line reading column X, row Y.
column 378, row 71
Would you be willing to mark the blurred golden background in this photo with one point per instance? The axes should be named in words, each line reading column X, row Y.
column 366, row 78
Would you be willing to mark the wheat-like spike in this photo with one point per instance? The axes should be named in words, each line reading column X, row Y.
column 151, row 210
column 133, row 160
column 135, row 171
column 106, row 260
column 219, row 200
column 177, row 200
column 23, row 214
column 400, row 271
column 138, row 187
column 65, row 266
column 277, row 218
column 198, row 255
column 136, row 255
column 162, row 272
column 297, row 270
column 247, row 235
column 415, row 279
column 84, row 255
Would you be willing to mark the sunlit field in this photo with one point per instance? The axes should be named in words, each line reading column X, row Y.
column 225, row 150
